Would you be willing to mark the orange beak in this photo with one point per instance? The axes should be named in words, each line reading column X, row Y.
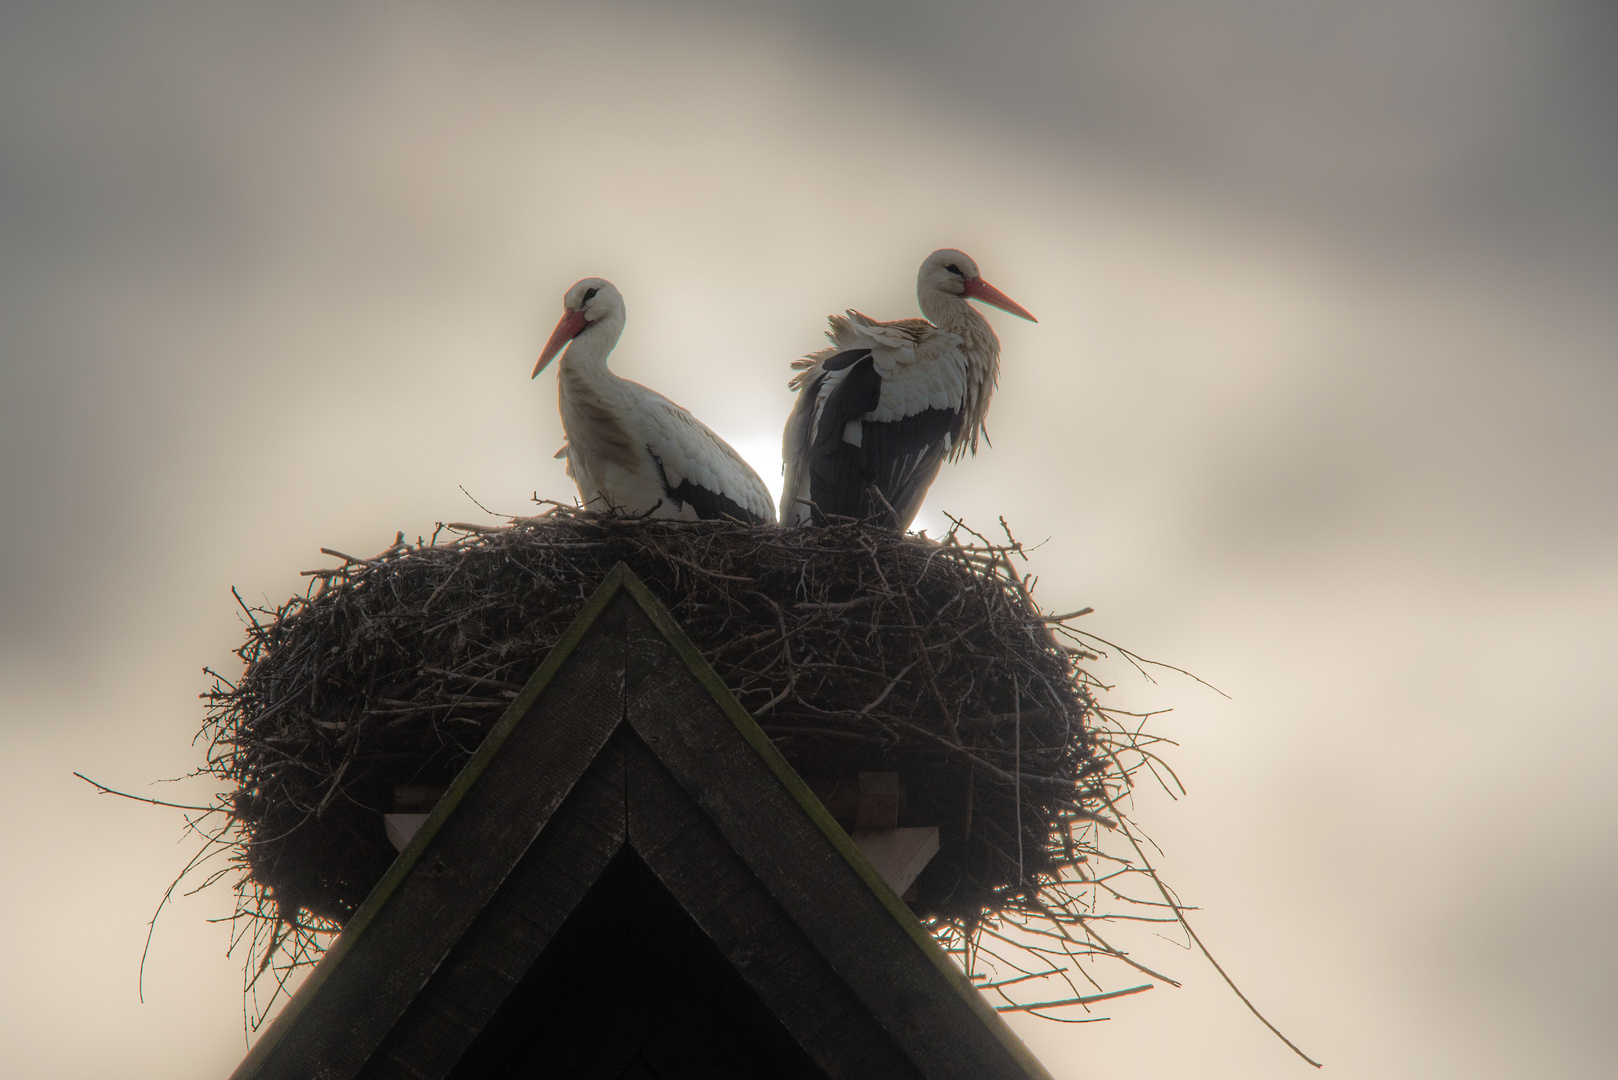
column 978, row 289
column 566, row 330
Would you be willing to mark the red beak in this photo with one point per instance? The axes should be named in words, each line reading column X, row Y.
column 566, row 330
column 978, row 289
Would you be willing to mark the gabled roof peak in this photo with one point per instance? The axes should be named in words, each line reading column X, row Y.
column 625, row 750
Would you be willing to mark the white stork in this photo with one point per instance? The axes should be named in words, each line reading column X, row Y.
column 881, row 409
column 630, row 448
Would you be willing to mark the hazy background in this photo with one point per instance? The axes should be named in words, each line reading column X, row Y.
column 1320, row 406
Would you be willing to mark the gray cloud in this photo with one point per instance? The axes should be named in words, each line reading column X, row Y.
column 1483, row 121
column 1319, row 407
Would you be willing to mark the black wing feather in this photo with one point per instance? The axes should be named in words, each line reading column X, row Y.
column 844, row 359
column 888, row 474
column 903, row 458
column 709, row 505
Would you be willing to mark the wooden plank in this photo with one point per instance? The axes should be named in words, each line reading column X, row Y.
column 749, row 928
column 458, row 860
column 630, row 975
column 899, row 855
column 690, row 857
column 880, row 796
column 811, row 806
column 816, row 875
column 498, row 950
column 402, row 828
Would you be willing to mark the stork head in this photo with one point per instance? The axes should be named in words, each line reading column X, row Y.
column 953, row 273
column 590, row 301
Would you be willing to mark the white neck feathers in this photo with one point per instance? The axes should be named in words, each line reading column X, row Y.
column 595, row 342
column 982, row 350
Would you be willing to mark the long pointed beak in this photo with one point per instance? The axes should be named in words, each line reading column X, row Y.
column 978, row 289
column 566, row 330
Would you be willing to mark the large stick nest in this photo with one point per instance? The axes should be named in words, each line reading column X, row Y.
column 855, row 648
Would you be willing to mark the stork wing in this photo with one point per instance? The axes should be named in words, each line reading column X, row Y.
column 922, row 367
column 877, row 412
column 902, row 341
column 697, row 468
column 862, row 467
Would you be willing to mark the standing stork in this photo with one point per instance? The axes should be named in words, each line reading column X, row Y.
column 880, row 410
column 630, row 448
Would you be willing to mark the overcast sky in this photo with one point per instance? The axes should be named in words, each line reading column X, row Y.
column 1320, row 406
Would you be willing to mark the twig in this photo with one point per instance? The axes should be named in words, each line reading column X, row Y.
column 105, row 790
column 1185, row 923
column 1090, row 1000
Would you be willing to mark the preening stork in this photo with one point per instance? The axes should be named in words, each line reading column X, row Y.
column 880, row 410
column 629, row 447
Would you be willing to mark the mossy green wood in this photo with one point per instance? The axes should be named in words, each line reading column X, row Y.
column 621, row 578
column 817, row 812
column 402, row 866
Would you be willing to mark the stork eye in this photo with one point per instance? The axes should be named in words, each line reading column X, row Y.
column 589, row 295
column 956, row 270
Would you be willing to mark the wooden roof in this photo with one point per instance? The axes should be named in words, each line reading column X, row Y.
column 627, row 880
